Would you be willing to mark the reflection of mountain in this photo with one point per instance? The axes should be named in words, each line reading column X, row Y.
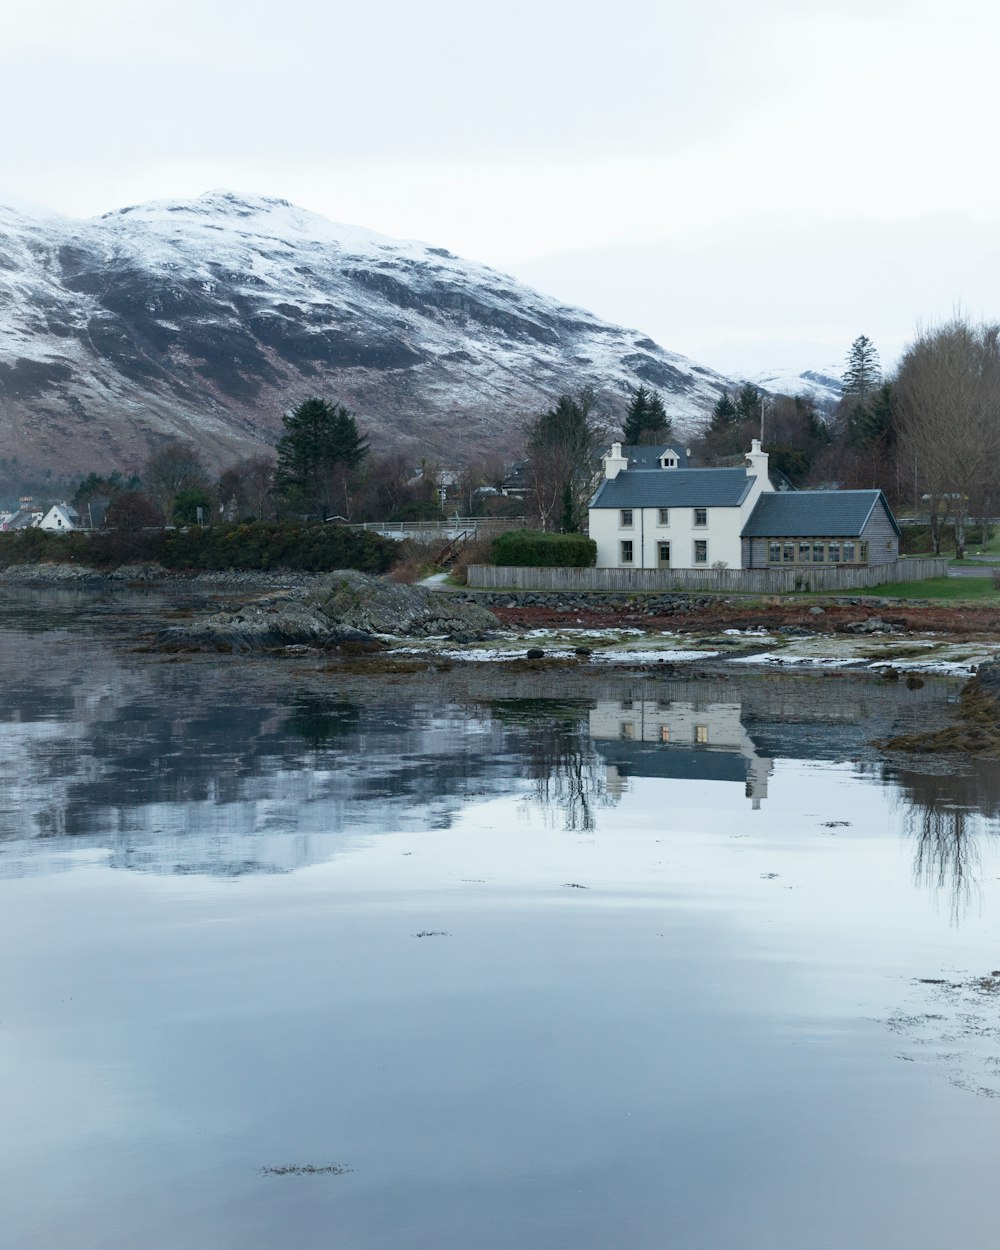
column 682, row 739
column 176, row 769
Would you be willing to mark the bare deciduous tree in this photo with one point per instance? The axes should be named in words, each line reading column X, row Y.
column 948, row 401
column 245, row 489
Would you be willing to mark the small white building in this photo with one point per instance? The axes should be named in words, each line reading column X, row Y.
column 62, row 518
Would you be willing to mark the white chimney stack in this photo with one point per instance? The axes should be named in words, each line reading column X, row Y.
column 614, row 461
column 757, row 464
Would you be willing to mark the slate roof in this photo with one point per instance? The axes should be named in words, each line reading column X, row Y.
column 640, row 457
column 814, row 514
column 674, row 488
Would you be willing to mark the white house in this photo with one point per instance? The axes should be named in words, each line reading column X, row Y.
column 673, row 517
column 62, row 518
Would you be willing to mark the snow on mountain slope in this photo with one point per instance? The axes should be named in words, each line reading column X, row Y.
column 205, row 319
column 822, row 384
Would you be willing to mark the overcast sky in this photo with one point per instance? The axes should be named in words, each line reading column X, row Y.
column 752, row 182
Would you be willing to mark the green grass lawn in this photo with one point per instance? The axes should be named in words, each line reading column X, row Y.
column 978, row 590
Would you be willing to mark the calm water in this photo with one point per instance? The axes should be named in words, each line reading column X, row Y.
column 644, row 968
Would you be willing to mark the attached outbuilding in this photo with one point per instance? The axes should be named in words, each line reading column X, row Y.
column 826, row 527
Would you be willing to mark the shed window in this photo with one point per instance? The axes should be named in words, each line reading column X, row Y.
column 849, row 556
column 625, row 518
column 774, row 553
column 701, row 516
column 805, row 551
column 700, row 551
column 834, row 553
column 863, row 553
column 626, row 547
column 819, row 553
column 788, row 553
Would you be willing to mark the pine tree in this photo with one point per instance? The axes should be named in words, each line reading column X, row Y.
column 863, row 372
column 724, row 414
column 646, row 421
column 316, row 455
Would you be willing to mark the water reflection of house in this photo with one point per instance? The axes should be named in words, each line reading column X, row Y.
column 684, row 740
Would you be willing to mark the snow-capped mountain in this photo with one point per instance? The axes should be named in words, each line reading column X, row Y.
column 205, row 319
column 822, row 384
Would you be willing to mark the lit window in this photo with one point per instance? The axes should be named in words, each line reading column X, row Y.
column 664, row 516
column 701, row 516
column 627, row 551
column 701, row 734
column 626, row 518
column 664, row 733
column 700, row 551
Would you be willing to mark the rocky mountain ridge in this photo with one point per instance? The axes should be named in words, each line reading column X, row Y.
column 206, row 319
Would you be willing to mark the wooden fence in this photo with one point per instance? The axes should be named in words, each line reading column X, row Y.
column 721, row 581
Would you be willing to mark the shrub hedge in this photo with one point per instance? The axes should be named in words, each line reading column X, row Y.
column 254, row 545
column 538, row 550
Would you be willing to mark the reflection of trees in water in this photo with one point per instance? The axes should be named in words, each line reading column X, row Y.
column 319, row 719
column 945, row 814
column 569, row 777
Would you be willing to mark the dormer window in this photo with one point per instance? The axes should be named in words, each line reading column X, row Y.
column 668, row 462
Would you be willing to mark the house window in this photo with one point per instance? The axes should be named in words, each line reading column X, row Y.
column 819, row 550
column 863, row 553
column 664, row 733
column 834, row 553
column 701, row 734
column 700, row 551
column 701, row 516
column 626, row 731
column 774, row 553
column 627, row 551
column 805, row 550
column 849, row 556
column 664, row 516
column 788, row 553
column 625, row 518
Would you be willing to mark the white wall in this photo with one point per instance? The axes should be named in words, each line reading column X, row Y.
column 722, row 533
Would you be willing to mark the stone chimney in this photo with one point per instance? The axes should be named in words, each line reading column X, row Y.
column 614, row 461
column 757, row 464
